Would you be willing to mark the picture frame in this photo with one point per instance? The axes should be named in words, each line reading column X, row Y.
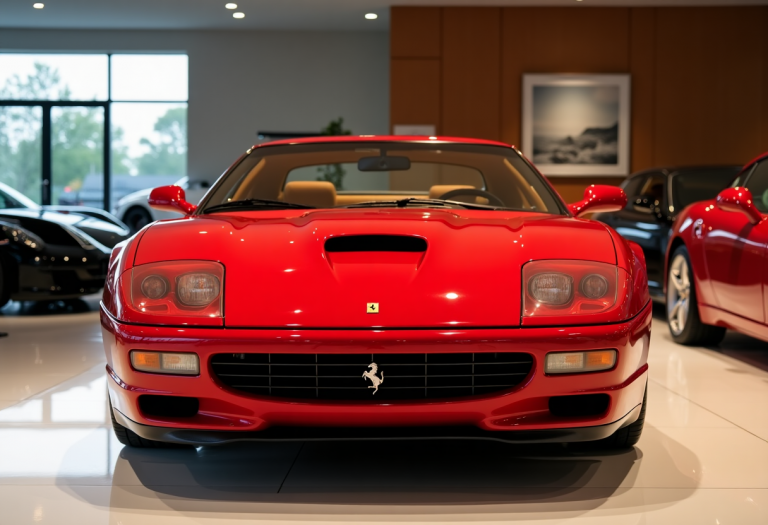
column 577, row 124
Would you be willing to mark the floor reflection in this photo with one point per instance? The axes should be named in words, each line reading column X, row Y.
column 89, row 303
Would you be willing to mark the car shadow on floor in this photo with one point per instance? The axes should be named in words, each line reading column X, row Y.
column 319, row 477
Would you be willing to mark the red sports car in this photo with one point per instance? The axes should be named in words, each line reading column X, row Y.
column 378, row 287
column 715, row 267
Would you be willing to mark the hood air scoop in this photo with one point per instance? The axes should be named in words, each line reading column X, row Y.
column 376, row 243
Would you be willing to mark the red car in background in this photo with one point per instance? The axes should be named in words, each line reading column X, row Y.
column 716, row 262
column 378, row 287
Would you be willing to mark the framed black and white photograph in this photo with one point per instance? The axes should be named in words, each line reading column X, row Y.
column 576, row 124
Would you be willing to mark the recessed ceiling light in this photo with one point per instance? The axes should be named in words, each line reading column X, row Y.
column 371, row 16
column 38, row 5
column 238, row 15
column 230, row 6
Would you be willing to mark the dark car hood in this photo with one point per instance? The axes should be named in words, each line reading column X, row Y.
column 278, row 272
column 103, row 231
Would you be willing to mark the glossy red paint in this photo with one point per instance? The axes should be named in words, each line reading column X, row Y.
column 727, row 241
column 524, row 408
column 284, row 293
column 599, row 198
column 379, row 138
column 739, row 200
column 171, row 198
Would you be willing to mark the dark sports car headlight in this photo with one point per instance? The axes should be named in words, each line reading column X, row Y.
column 20, row 236
column 567, row 288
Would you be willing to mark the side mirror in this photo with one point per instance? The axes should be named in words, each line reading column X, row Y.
column 599, row 198
column 739, row 199
column 171, row 198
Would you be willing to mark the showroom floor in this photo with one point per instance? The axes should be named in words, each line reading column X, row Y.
column 703, row 457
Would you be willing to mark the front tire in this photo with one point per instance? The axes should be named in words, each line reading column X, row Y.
column 683, row 319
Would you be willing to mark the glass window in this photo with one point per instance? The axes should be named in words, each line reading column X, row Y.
column 149, row 77
column 53, row 77
column 654, row 188
column 347, row 177
column 148, row 124
column 300, row 175
column 689, row 186
column 632, row 185
column 21, row 149
column 77, row 154
column 758, row 185
column 149, row 146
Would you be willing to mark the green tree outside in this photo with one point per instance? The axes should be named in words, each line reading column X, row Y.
column 77, row 139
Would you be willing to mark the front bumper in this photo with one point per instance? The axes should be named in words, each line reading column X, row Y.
column 518, row 415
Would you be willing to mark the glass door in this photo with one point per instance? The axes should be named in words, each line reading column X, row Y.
column 77, row 156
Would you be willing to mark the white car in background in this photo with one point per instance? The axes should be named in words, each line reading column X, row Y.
column 134, row 210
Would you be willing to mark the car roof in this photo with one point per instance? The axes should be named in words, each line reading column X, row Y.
column 340, row 139
column 672, row 170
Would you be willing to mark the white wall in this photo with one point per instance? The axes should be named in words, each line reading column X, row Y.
column 244, row 81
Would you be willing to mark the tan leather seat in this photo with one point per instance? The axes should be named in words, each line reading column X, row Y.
column 320, row 194
column 438, row 190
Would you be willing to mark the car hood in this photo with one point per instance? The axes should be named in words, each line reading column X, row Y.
column 103, row 231
column 278, row 272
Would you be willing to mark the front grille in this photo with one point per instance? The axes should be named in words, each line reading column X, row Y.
column 340, row 376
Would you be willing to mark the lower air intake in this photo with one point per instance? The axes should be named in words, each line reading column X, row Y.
column 341, row 376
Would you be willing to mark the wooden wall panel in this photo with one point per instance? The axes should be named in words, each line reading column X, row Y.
column 708, row 87
column 642, row 66
column 562, row 40
column 699, row 74
column 415, row 92
column 764, row 85
column 415, row 32
column 471, row 72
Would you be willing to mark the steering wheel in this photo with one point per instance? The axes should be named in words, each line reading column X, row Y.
column 493, row 200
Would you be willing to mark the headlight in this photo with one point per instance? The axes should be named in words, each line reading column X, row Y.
column 197, row 289
column 177, row 289
column 551, row 288
column 567, row 288
column 21, row 236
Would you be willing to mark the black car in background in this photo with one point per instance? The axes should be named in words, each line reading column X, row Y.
column 53, row 252
column 654, row 198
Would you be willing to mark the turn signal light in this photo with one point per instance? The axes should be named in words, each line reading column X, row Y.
column 165, row 362
column 566, row 288
column 575, row 362
column 178, row 289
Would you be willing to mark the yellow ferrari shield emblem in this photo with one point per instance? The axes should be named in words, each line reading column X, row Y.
column 373, row 308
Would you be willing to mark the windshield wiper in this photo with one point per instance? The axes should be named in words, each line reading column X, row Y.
column 256, row 203
column 403, row 203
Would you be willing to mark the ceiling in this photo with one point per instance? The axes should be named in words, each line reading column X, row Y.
column 332, row 15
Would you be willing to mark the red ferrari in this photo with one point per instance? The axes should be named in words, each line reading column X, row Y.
column 378, row 287
column 716, row 276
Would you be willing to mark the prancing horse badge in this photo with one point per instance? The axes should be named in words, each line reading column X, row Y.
column 372, row 308
column 372, row 376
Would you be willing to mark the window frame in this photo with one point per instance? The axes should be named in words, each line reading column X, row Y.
column 46, row 127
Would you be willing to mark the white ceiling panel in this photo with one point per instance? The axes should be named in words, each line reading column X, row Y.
column 321, row 15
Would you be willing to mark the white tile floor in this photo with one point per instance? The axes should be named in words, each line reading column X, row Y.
column 703, row 457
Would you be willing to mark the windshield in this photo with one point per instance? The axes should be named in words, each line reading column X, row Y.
column 361, row 174
column 689, row 186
